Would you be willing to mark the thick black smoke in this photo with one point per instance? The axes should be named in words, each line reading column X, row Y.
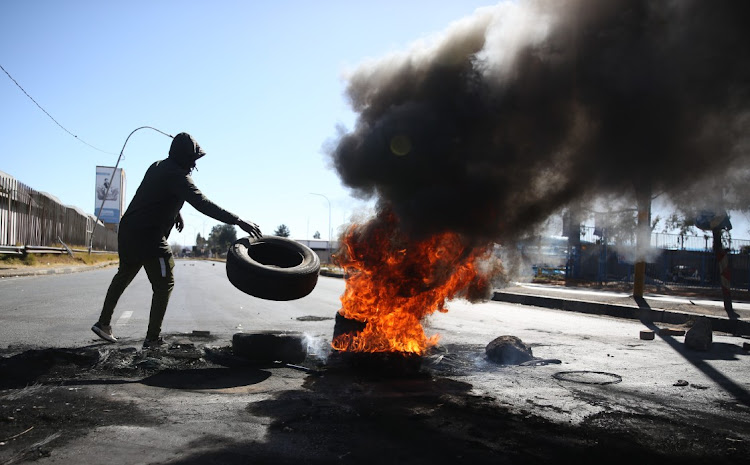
column 528, row 106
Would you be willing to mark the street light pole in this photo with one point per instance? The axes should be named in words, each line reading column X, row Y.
column 329, row 222
column 114, row 171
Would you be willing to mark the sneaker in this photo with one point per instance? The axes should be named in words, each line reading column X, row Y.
column 104, row 332
column 150, row 344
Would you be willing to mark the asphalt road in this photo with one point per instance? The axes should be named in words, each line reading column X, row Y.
column 58, row 310
column 617, row 392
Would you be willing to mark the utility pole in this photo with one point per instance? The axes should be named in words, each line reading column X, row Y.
column 329, row 223
column 643, row 236
column 572, row 229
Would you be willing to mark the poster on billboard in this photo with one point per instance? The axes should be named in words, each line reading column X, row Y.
column 109, row 194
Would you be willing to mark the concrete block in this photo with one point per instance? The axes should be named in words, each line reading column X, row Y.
column 671, row 332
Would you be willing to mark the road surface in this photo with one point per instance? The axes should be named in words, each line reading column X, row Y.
column 613, row 397
column 58, row 310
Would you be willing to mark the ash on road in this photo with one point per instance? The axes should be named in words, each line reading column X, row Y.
column 197, row 403
column 67, row 398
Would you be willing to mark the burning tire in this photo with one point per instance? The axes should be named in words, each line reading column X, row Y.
column 270, row 346
column 272, row 268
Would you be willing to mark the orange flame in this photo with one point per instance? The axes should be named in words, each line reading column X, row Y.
column 394, row 282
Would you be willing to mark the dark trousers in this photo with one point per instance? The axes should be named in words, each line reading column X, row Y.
column 160, row 274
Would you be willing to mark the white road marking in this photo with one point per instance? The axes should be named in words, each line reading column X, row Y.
column 124, row 318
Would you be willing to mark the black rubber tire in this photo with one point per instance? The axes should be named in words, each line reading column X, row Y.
column 272, row 268
column 270, row 346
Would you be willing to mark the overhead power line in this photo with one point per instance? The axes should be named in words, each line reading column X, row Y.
column 50, row 116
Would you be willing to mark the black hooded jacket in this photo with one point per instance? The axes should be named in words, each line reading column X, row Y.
column 166, row 186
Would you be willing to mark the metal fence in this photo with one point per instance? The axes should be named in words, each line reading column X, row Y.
column 676, row 267
column 32, row 218
column 694, row 243
column 672, row 259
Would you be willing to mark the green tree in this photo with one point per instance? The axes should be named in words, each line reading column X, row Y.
column 316, row 235
column 201, row 244
column 221, row 237
column 282, row 231
column 200, row 241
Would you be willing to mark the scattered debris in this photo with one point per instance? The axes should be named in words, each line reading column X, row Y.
column 3, row 441
column 698, row 386
column 453, row 359
column 671, row 332
column 185, row 351
column 305, row 369
column 681, row 383
column 149, row 364
column 588, row 377
column 647, row 335
column 34, row 451
column 700, row 336
column 25, row 368
column 537, row 362
column 508, row 350
column 313, row 318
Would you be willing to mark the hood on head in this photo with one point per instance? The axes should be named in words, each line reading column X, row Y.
column 185, row 150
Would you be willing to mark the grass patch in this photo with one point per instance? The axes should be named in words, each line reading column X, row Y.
column 95, row 258
column 11, row 260
column 42, row 260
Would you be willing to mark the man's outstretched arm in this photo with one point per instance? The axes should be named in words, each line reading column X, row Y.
column 192, row 195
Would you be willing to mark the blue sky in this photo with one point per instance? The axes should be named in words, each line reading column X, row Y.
column 260, row 85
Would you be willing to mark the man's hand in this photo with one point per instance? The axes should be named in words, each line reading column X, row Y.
column 178, row 223
column 250, row 228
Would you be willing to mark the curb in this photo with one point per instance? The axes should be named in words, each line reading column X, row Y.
column 722, row 324
column 331, row 274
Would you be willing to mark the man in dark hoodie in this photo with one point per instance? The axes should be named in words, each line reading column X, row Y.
column 145, row 227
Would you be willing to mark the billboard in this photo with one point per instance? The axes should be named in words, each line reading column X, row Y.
column 110, row 189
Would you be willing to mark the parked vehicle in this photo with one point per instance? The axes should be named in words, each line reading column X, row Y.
column 685, row 274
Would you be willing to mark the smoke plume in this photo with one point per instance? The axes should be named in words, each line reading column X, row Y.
column 525, row 107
